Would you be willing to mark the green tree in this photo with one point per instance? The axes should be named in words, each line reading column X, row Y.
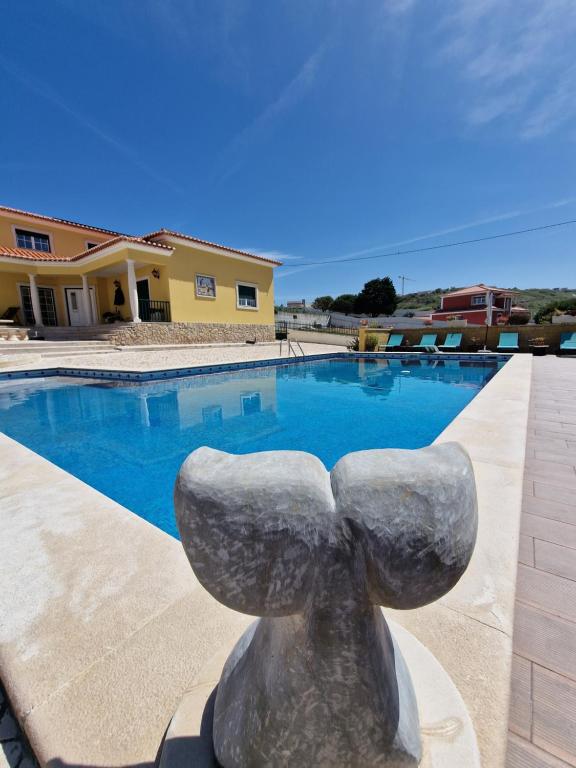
column 323, row 302
column 344, row 303
column 378, row 297
column 544, row 314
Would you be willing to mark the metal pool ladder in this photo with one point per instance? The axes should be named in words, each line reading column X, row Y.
column 294, row 347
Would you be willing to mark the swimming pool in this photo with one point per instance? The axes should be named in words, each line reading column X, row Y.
column 129, row 438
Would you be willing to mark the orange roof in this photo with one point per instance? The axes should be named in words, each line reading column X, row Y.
column 479, row 288
column 26, row 253
column 69, row 223
column 171, row 233
column 117, row 236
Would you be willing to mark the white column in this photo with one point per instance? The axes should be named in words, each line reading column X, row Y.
column 86, row 301
column 132, row 291
column 36, row 311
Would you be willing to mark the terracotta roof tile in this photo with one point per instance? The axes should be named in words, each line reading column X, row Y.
column 171, row 233
column 479, row 288
column 26, row 253
column 119, row 239
column 42, row 217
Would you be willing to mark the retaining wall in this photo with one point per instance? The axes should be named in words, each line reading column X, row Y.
column 472, row 337
column 189, row 333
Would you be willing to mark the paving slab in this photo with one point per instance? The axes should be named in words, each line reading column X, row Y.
column 543, row 712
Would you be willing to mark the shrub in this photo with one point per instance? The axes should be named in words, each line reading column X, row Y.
column 354, row 344
column 518, row 319
column 371, row 343
column 545, row 313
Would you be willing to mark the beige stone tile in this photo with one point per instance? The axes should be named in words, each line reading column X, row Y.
column 486, row 590
column 116, row 712
column 478, row 659
column 80, row 574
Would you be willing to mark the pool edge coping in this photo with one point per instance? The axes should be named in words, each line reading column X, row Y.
column 46, row 741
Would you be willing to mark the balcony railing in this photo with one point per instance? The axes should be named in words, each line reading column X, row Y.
column 154, row 311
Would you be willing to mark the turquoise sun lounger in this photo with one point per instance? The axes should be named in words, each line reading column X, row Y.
column 568, row 342
column 427, row 340
column 452, row 341
column 394, row 340
column 508, row 341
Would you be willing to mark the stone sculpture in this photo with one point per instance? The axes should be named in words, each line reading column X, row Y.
column 318, row 680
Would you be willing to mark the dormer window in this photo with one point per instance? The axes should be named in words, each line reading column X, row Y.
column 34, row 241
column 90, row 245
column 479, row 300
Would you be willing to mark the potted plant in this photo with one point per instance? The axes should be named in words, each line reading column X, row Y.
column 538, row 346
column 370, row 343
column 475, row 344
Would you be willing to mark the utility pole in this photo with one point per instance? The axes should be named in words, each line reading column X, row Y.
column 403, row 278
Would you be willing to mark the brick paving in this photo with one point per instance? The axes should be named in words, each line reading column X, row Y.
column 543, row 704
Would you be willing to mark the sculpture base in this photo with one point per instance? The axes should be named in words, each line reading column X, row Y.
column 448, row 738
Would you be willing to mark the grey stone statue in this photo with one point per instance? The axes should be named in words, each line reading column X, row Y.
column 318, row 680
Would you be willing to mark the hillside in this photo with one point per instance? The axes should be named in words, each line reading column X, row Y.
column 531, row 298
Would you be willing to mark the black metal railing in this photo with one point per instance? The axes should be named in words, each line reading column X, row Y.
column 283, row 326
column 154, row 311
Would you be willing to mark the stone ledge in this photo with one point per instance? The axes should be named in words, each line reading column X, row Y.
column 135, row 334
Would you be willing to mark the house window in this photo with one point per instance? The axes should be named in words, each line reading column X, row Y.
column 247, row 296
column 251, row 403
column 478, row 300
column 205, row 287
column 33, row 240
column 91, row 245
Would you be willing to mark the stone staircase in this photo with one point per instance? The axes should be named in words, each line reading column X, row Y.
column 26, row 349
column 79, row 333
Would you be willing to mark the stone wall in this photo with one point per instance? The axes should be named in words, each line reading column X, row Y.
column 188, row 333
column 472, row 337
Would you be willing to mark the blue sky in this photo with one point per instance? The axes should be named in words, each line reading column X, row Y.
column 314, row 129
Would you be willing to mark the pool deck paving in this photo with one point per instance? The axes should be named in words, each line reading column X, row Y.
column 84, row 681
column 144, row 359
column 543, row 702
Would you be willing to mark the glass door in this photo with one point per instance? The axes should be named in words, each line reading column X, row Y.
column 47, row 305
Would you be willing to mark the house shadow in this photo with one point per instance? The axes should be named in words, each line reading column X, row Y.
column 174, row 752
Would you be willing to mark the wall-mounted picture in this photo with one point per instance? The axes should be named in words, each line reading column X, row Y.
column 205, row 286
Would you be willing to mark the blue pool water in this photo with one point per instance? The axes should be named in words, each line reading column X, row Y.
column 129, row 439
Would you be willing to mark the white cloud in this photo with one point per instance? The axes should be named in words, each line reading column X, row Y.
column 516, row 60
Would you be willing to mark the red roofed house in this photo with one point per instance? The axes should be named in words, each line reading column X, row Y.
column 477, row 304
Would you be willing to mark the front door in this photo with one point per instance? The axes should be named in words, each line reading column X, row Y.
column 143, row 289
column 75, row 306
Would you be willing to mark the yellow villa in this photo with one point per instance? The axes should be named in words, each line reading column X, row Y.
column 161, row 286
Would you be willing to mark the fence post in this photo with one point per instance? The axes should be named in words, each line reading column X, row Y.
column 362, row 339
